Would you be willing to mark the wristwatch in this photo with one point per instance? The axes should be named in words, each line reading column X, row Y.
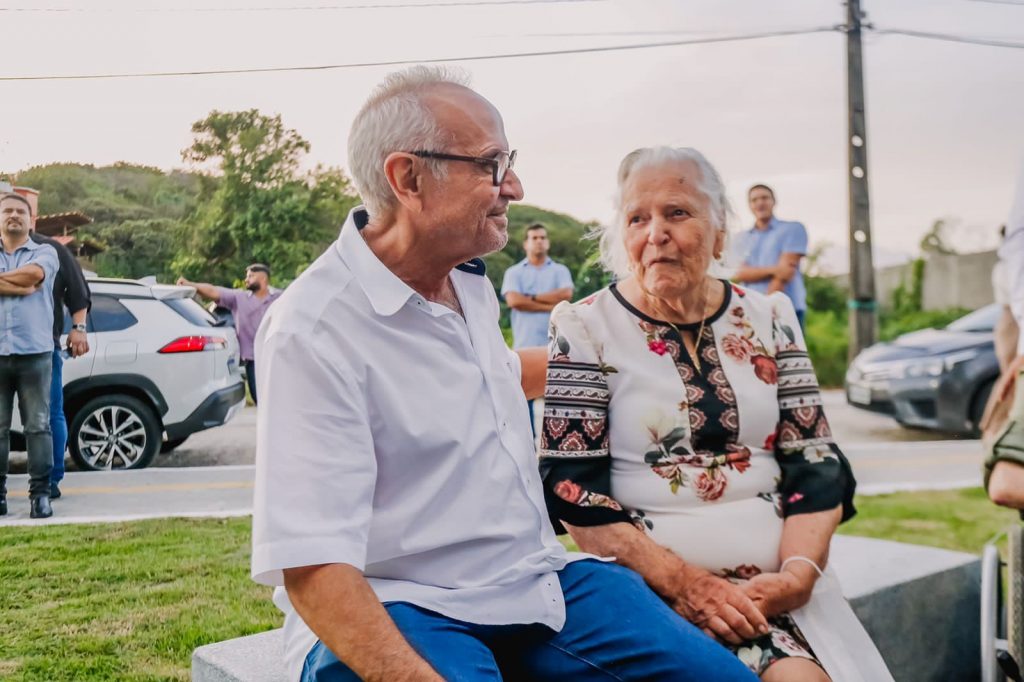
column 78, row 328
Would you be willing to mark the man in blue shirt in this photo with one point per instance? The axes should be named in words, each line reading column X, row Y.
column 532, row 288
column 27, row 271
column 771, row 251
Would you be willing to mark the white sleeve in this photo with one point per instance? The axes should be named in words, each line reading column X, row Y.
column 1012, row 253
column 315, row 465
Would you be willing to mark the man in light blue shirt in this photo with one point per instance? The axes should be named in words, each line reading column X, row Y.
column 771, row 251
column 532, row 288
column 27, row 271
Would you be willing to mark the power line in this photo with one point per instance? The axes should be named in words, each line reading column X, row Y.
column 1002, row 2
column 305, row 8
column 951, row 38
column 405, row 62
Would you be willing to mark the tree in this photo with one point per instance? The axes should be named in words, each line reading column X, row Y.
column 262, row 206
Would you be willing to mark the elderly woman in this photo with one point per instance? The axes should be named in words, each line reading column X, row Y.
column 683, row 430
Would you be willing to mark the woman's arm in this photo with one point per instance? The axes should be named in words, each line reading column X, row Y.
column 803, row 535
column 709, row 602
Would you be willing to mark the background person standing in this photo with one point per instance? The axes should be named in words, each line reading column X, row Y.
column 532, row 288
column 27, row 270
column 771, row 251
column 70, row 289
column 248, row 307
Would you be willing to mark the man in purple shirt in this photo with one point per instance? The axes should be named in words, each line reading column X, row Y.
column 248, row 307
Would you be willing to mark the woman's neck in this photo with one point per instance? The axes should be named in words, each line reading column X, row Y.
column 686, row 307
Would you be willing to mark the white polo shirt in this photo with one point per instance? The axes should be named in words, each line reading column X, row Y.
column 1012, row 254
column 393, row 436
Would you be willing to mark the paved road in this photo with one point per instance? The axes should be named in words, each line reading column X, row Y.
column 211, row 474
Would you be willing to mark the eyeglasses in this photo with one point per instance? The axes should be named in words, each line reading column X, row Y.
column 499, row 165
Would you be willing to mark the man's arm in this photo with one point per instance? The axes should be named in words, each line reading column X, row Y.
column 337, row 604
column 78, row 342
column 534, row 364
column 555, row 296
column 528, row 304
column 8, row 289
column 785, row 270
column 204, row 289
column 1006, row 332
column 29, row 275
column 749, row 273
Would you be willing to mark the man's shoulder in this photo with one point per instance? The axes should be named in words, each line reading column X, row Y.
column 327, row 289
column 791, row 225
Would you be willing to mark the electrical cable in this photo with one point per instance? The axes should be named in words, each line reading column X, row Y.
column 304, row 8
column 949, row 38
column 435, row 60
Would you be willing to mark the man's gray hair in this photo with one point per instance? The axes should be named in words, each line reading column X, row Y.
column 612, row 243
column 396, row 119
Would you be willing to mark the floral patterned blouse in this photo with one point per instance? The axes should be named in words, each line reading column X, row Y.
column 709, row 461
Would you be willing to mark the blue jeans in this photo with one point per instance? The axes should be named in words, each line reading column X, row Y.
column 28, row 376
column 58, row 422
column 616, row 628
column 250, row 378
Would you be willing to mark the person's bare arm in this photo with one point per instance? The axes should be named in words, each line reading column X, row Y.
column 339, row 606
column 748, row 273
column 208, row 291
column 555, row 296
column 78, row 342
column 29, row 275
column 8, row 289
column 785, row 270
column 806, row 535
column 1006, row 334
column 524, row 303
column 704, row 599
column 534, row 363
column 1006, row 485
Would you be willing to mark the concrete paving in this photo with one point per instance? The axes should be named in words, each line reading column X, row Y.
column 211, row 474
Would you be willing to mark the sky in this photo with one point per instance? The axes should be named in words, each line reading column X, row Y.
column 945, row 133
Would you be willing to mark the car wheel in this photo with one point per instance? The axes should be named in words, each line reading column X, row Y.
column 114, row 432
column 170, row 444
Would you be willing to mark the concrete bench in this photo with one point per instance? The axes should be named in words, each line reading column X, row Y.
column 919, row 604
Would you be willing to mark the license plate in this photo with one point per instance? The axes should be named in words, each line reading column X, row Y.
column 859, row 394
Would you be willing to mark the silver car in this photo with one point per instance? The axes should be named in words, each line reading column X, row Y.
column 159, row 368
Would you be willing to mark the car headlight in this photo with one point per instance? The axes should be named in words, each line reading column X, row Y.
column 933, row 366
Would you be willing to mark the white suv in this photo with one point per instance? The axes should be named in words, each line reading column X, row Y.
column 159, row 368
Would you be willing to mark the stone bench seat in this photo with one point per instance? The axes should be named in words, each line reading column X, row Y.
column 919, row 604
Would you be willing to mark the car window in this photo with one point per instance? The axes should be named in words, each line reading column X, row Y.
column 108, row 315
column 192, row 311
column 981, row 320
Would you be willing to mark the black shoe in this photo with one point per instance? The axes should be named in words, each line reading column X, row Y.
column 41, row 508
column 54, row 491
column 3, row 505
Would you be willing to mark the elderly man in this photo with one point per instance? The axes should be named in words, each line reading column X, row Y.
column 1004, row 468
column 248, row 308
column 27, row 270
column 398, row 500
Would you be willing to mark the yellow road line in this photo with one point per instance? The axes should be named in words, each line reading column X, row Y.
column 166, row 487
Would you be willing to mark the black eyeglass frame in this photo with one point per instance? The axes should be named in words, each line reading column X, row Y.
column 493, row 163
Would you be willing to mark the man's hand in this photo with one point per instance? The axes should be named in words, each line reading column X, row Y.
column 182, row 282
column 775, row 593
column 78, row 343
column 718, row 607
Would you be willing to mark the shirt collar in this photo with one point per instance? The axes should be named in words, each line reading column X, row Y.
column 29, row 244
column 526, row 261
column 387, row 293
column 772, row 224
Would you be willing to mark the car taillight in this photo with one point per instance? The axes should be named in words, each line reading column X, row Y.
column 192, row 344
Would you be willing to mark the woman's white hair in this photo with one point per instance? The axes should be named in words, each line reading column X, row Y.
column 612, row 244
column 396, row 119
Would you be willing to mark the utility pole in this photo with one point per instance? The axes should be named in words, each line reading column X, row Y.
column 862, row 303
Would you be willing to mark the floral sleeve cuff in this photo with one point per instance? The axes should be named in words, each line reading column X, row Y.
column 575, row 492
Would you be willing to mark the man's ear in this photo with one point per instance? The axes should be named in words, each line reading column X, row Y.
column 405, row 177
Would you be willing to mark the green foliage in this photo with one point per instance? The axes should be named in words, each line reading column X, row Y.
column 263, row 208
column 137, row 248
column 894, row 323
column 824, row 295
column 908, row 298
column 828, row 343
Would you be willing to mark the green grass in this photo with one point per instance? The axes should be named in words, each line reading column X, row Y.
column 127, row 601
column 130, row 601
